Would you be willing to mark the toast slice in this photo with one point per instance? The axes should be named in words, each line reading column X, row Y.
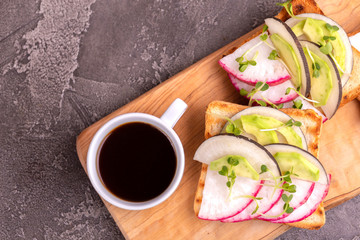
column 311, row 127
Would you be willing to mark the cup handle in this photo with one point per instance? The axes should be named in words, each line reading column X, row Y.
column 174, row 112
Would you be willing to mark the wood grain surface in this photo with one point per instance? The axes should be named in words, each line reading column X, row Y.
column 198, row 85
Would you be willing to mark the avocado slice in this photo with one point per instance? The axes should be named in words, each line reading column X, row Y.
column 302, row 167
column 287, row 54
column 291, row 136
column 243, row 169
column 298, row 28
column 254, row 122
column 315, row 30
column 322, row 85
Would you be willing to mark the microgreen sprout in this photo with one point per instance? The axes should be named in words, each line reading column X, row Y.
column 331, row 28
column 233, row 128
column 244, row 63
column 265, row 28
column 298, row 92
column 289, row 123
column 327, row 48
column 273, row 55
column 263, row 37
column 259, row 86
column 332, row 38
column 315, row 65
column 297, row 104
column 229, row 173
column 287, row 200
column 288, row 7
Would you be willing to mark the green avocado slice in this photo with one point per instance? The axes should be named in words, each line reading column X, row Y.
column 254, row 122
column 243, row 169
column 300, row 166
column 322, row 85
column 287, row 54
column 315, row 30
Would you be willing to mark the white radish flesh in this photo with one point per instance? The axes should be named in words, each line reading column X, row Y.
column 217, row 204
column 268, row 198
column 271, row 71
column 275, row 94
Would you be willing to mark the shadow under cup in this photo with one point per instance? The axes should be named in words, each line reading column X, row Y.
column 136, row 161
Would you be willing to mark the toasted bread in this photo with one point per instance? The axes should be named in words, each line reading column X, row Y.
column 311, row 127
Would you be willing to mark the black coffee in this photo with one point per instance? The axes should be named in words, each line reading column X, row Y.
column 137, row 162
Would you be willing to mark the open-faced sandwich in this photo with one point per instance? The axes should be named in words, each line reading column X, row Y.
column 301, row 59
column 262, row 162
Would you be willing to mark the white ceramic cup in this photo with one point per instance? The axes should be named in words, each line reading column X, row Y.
column 165, row 124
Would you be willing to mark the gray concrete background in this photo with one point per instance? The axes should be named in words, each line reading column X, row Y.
column 65, row 64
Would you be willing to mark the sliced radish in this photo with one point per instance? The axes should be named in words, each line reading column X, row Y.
column 221, row 145
column 279, row 147
column 270, row 112
column 275, row 94
column 335, row 97
column 317, row 196
column 302, row 194
column 216, row 205
column 271, row 71
column 349, row 54
column 268, row 198
column 276, row 26
column 215, row 202
column 306, row 105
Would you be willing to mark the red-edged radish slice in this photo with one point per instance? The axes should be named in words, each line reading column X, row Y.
column 268, row 199
column 215, row 202
column 306, row 105
column 269, row 112
column 275, row 94
column 271, row 71
column 317, row 196
column 349, row 54
column 333, row 102
column 302, row 194
column 276, row 26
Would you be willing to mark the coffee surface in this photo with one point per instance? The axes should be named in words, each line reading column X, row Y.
column 137, row 162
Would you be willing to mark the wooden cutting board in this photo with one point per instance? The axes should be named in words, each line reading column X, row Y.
column 198, row 85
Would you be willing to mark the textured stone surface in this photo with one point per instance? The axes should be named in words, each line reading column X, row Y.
column 65, row 64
